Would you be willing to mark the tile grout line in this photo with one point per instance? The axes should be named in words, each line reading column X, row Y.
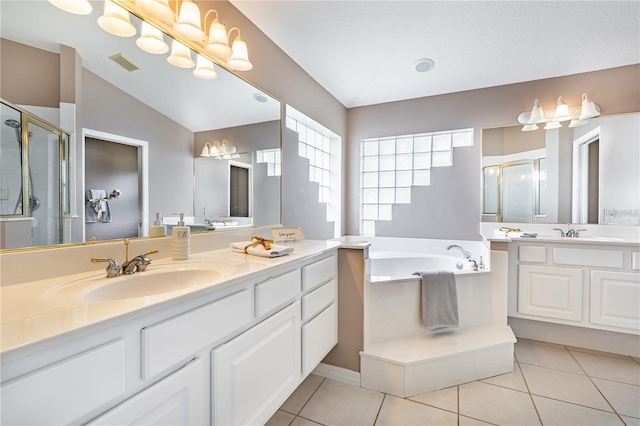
column 596, row 386
column 384, row 396
column 529, row 392
column 307, row 401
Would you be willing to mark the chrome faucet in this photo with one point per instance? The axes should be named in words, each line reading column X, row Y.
column 465, row 253
column 138, row 263
column 571, row 233
column 113, row 270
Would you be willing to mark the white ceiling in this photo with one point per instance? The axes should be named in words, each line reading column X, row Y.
column 363, row 52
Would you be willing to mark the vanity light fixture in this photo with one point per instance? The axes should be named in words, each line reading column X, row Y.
column 115, row 20
column 188, row 22
column 218, row 42
column 224, row 151
column 180, row 55
column 77, row 7
column 562, row 112
column 239, row 53
column 206, row 150
column 204, row 68
column 151, row 40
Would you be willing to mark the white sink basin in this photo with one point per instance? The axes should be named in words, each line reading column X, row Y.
column 159, row 279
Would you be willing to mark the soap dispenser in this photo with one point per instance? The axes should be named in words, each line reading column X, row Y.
column 157, row 229
column 180, row 240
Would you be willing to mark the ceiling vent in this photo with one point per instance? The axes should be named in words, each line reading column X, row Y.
column 124, row 62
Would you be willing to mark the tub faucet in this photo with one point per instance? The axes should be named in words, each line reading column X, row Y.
column 465, row 253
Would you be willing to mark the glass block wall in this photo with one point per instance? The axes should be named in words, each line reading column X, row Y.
column 392, row 165
column 273, row 158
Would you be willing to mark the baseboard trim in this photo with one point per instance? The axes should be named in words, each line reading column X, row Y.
column 337, row 373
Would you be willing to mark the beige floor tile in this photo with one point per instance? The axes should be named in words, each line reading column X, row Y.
column 398, row 411
column 545, row 356
column 624, row 398
column 595, row 352
column 630, row 421
column 495, row 404
column 554, row 412
column 302, row 394
column 620, row 370
column 636, row 359
column 447, row 399
column 513, row 380
column 338, row 403
column 301, row 421
column 540, row 342
column 564, row 386
column 280, row 418
column 468, row 421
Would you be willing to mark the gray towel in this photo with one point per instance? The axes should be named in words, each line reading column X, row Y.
column 97, row 207
column 439, row 299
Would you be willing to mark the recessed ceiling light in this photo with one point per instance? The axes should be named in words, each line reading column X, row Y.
column 260, row 97
column 423, row 65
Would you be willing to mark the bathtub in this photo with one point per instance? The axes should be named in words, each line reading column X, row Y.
column 399, row 266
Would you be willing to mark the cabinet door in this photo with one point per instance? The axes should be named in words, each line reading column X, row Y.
column 176, row 400
column 318, row 337
column 550, row 292
column 615, row 299
column 254, row 373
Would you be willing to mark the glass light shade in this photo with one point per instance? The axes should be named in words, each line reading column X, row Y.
column 577, row 123
column 529, row 127
column 180, row 55
column 188, row 24
column 537, row 114
column 239, row 56
column 204, row 68
column 215, row 149
column 218, row 44
column 205, row 150
column 562, row 111
column 223, row 148
column 552, row 125
column 158, row 9
column 588, row 108
column 115, row 20
column 151, row 40
column 77, row 7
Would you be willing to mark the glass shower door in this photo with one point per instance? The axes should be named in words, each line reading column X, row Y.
column 44, row 183
column 517, row 192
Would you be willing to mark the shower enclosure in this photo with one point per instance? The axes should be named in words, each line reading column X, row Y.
column 34, row 190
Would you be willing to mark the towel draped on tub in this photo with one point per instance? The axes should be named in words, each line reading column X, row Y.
column 439, row 299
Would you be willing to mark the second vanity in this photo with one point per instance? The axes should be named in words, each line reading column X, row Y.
column 224, row 350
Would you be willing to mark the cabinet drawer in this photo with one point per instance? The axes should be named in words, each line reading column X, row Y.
column 532, row 254
column 318, row 272
column 318, row 337
column 61, row 393
column 276, row 292
column 178, row 338
column 176, row 400
column 318, row 299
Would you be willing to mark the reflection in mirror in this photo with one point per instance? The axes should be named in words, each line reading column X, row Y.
column 61, row 61
column 586, row 174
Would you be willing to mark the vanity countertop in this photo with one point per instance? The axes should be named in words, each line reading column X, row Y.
column 37, row 310
column 577, row 240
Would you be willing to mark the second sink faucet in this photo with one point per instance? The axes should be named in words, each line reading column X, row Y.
column 465, row 253
column 137, row 264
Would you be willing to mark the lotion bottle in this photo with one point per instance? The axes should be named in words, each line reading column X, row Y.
column 157, row 229
column 180, row 240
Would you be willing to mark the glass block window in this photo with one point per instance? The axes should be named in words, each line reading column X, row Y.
column 392, row 165
column 273, row 158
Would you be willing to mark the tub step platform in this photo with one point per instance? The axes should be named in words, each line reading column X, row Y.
column 415, row 365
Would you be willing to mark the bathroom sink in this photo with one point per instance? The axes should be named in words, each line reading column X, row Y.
column 147, row 284
column 159, row 279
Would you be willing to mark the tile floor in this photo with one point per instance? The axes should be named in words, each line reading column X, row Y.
column 550, row 385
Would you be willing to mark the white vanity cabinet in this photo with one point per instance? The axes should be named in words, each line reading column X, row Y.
column 593, row 285
column 231, row 354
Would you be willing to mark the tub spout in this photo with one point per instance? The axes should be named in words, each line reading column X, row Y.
column 465, row 253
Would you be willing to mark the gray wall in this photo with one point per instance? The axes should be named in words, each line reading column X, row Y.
column 108, row 109
column 451, row 207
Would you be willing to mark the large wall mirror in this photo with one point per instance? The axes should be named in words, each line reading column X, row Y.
column 66, row 70
column 586, row 174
